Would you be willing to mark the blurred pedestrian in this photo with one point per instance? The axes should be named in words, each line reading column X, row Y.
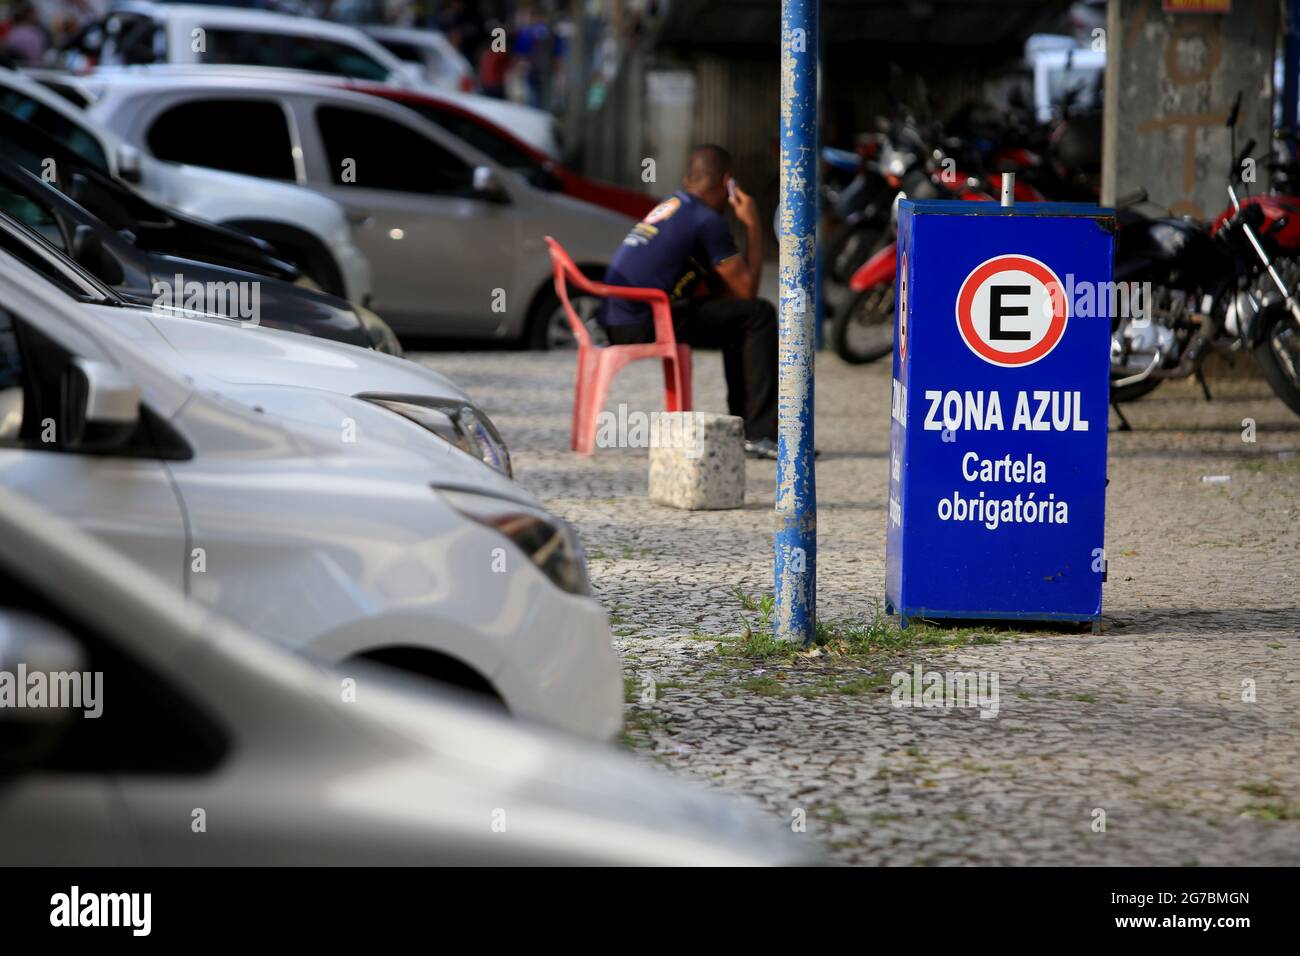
column 684, row 246
column 532, row 55
column 27, row 39
column 462, row 26
column 494, row 62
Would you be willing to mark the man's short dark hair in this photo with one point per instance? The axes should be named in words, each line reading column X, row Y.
column 709, row 164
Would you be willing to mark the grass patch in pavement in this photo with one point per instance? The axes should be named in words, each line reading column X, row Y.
column 824, row 686
column 871, row 635
column 1271, row 811
column 846, row 658
column 636, row 687
column 764, row 686
column 1261, row 789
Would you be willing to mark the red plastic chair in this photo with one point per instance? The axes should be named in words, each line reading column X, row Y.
column 597, row 365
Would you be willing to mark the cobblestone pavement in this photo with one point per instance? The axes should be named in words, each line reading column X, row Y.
column 1145, row 722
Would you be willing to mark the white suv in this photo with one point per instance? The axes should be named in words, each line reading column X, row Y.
column 306, row 228
column 136, row 34
column 324, row 522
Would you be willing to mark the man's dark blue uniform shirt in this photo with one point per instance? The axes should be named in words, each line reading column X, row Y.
column 679, row 242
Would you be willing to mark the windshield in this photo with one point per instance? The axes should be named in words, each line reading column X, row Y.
column 289, row 51
column 28, row 246
column 39, row 219
column 56, row 125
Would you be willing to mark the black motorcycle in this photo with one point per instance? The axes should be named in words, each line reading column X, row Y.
column 1202, row 288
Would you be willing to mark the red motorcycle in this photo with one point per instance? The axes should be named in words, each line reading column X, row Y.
column 863, row 331
column 1225, row 287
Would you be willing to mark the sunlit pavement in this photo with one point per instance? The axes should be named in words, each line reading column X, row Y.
column 1178, row 728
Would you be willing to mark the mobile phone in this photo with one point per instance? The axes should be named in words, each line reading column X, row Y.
column 731, row 188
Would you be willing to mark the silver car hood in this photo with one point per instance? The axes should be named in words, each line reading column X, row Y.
column 528, row 766
column 231, row 353
column 291, row 421
column 303, row 381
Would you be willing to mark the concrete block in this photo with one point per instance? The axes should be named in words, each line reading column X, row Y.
column 697, row 461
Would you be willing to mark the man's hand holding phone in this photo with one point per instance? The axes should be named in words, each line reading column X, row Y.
column 742, row 203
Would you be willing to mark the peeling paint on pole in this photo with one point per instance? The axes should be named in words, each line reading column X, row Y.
column 796, row 489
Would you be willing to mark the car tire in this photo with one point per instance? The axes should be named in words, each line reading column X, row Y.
column 548, row 326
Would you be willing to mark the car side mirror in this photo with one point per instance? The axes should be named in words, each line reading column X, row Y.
column 128, row 163
column 42, row 652
column 488, row 186
column 87, row 250
column 101, row 407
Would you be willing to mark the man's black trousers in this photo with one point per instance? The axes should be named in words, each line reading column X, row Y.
column 745, row 331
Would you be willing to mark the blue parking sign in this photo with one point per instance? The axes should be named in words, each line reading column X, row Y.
column 1000, row 409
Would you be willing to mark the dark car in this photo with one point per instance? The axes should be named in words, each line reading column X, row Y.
column 156, row 229
column 146, row 272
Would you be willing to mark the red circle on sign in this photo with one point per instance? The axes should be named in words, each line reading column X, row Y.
column 966, row 297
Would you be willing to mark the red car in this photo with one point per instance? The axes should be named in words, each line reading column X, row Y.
column 512, row 153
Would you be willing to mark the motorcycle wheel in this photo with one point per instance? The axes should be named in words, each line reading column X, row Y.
column 850, row 245
column 1120, row 395
column 1278, row 354
column 1131, row 393
column 864, row 331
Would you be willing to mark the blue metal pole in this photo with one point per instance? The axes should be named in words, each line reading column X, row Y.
column 796, row 488
column 819, row 327
column 1291, row 72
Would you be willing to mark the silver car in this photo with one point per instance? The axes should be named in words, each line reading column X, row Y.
column 455, row 240
column 309, row 230
column 168, row 736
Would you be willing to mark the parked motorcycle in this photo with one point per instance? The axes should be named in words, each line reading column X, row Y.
column 863, row 330
column 1225, row 286
column 861, row 209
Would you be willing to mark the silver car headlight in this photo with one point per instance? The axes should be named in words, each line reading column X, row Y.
column 549, row 542
column 459, row 423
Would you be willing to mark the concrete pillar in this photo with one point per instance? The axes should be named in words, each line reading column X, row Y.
column 575, row 107
column 633, row 79
column 670, row 113
column 1170, row 82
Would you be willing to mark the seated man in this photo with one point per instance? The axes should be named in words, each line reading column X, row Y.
column 683, row 242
